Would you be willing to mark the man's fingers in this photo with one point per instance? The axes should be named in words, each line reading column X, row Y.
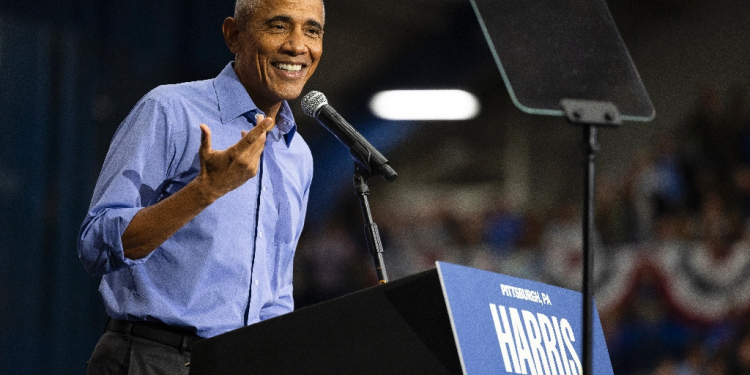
column 267, row 124
column 254, row 135
column 205, row 139
column 264, row 122
column 253, row 142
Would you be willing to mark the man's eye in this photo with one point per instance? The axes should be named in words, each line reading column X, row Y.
column 313, row 32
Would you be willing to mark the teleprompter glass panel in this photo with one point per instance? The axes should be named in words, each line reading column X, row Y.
column 549, row 50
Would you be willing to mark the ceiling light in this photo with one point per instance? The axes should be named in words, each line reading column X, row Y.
column 424, row 105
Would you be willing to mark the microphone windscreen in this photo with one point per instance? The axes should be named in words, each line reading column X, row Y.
column 312, row 102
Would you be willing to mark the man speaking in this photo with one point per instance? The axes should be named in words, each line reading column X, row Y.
column 202, row 197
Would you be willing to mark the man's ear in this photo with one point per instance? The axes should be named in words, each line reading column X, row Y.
column 231, row 32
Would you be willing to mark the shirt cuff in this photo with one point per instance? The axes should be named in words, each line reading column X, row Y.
column 100, row 242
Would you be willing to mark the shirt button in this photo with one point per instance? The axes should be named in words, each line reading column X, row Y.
column 260, row 234
column 264, row 187
column 256, row 281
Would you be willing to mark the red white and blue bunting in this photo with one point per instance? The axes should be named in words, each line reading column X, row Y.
column 703, row 283
column 698, row 282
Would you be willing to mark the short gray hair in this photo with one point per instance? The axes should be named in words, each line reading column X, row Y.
column 244, row 8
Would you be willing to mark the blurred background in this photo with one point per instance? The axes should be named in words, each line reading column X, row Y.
column 500, row 192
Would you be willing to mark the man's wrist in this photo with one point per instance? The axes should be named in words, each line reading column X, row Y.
column 203, row 194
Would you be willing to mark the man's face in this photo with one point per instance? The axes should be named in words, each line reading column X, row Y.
column 277, row 48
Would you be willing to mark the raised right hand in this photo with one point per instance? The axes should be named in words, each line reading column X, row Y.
column 224, row 171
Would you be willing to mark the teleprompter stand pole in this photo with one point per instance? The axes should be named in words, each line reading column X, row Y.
column 590, row 114
column 592, row 147
column 371, row 229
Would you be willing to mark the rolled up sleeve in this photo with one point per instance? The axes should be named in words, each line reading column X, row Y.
column 132, row 177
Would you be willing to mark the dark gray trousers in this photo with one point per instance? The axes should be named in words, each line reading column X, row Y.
column 118, row 354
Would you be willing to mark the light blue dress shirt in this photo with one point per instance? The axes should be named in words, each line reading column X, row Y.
column 232, row 264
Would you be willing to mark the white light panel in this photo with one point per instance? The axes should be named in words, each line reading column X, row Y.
column 425, row 105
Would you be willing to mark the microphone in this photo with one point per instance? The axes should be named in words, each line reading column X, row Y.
column 315, row 104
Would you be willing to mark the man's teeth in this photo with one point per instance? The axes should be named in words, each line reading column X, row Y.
column 290, row 67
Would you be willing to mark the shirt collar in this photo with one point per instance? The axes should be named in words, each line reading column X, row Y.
column 234, row 102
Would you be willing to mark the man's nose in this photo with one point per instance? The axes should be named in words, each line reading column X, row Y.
column 295, row 43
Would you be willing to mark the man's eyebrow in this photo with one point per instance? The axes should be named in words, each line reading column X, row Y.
column 279, row 18
column 314, row 23
column 288, row 19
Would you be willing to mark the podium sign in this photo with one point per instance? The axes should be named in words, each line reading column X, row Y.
column 507, row 325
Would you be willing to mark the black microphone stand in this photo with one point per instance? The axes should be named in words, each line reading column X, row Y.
column 371, row 229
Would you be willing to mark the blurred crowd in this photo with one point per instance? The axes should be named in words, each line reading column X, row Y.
column 672, row 275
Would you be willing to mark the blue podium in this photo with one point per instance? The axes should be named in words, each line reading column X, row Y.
column 449, row 320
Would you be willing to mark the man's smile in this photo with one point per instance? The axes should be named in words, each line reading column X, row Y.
column 290, row 70
column 288, row 67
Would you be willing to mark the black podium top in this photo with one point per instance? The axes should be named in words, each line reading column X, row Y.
column 401, row 327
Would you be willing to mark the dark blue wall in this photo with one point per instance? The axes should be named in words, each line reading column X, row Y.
column 69, row 71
